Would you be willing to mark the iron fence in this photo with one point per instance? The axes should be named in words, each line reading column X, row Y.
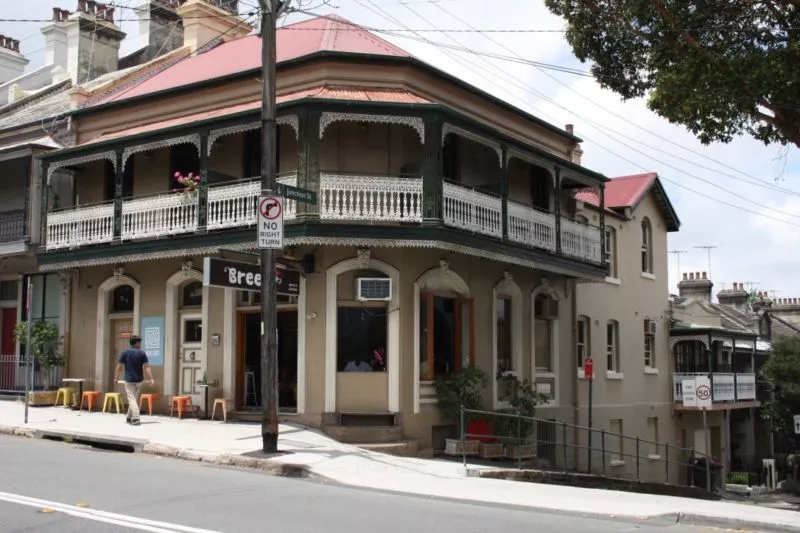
column 13, row 370
column 529, row 442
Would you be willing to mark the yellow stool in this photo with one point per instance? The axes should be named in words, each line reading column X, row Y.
column 115, row 397
column 68, row 393
column 223, row 402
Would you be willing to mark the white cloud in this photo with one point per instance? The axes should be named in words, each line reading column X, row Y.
column 749, row 247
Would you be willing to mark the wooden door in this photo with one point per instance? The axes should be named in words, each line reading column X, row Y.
column 121, row 329
column 463, row 341
column 191, row 359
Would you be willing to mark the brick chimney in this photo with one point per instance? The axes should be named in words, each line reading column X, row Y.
column 575, row 154
column 85, row 42
column 207, row 20
column 762, row 301
column 695, row 285
column 12, row 62
column 735, row 297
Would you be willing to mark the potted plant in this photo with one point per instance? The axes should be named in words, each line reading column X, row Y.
column 44, row 345
column 516, row 430
column 453, row 392
column 188, row 184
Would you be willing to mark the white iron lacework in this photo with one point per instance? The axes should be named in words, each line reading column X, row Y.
column 193, row 138
column 158, row 216
column 231, row 206
column 370, row 198
column 473, row 211
column 531, row 227
column 285, row 120
column 580, row 240
column 448, row 128
column 700, row 338
column 80, row 227
column 323, row 241
column 328, row 118
column 110, row 156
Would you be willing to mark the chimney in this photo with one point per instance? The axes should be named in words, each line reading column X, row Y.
column 12, row 62
column 735, row 297
column 160, row 27
column 207, row 20
column 574, row 154
column 695, row 285
column 86, row 43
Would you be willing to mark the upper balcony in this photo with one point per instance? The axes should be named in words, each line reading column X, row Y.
column 14, row 203
column 367, row 170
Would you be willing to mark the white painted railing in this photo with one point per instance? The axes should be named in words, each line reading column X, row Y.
column 370, row 198
column 231, row 206
column 580, row 240
column 80, row 227
column 531, row 227
column 677, row 383
column 745, row 387
column 723, row 387
column 159, row 216
column 471, row 210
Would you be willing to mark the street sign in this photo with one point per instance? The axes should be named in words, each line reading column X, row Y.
column 270, row 222
column 297, row 194
column 228, row 274
column 797, row 424
column 688, row 393
column 702, row 387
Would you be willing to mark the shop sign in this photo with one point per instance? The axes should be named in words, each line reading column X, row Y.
column 229, row 274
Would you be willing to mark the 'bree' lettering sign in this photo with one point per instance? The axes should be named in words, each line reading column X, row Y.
column 247, row 276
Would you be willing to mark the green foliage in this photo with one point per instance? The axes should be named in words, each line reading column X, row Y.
column 523, row 402
column 782, row 373
column 45, row 342
column 461, row 389
column 720, row 68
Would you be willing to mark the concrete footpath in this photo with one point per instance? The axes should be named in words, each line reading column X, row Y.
column 309, row 452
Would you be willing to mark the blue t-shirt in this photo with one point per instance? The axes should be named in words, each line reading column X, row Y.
column 133, row 359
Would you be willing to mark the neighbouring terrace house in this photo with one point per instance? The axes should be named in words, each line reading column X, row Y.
column 710, row 340
column 81, row 62
column 444, row 233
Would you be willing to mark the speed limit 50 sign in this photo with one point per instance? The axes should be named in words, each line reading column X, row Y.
column 270, row 222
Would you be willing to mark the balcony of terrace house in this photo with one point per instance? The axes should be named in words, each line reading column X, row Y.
column 14, row 205
column 728, row 360
column 368, row 170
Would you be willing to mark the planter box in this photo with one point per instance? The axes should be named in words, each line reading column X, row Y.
column 492, row 450
column 42, row 398
column 454, row 447
column 520, row 451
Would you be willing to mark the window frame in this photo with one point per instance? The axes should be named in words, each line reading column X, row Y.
column 612, row 347
column 649, row 348
column 610, row 252
column 583, row 323
column 647, row 247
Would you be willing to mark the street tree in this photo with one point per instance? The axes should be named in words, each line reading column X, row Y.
column 721, row 68
column 782, row 373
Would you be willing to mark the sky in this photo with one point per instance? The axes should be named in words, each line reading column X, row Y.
column 743, row 198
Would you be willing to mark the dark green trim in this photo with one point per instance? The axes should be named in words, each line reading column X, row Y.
column 340, row 56
column 557, row 209
column 202, row 193
column 319, row 104
column 119, row 175
column 682, row 331
column 432, row 182
column 333, row 231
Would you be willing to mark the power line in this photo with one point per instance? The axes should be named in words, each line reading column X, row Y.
column 528, row 88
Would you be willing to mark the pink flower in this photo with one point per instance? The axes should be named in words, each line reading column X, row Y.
column 177, row 174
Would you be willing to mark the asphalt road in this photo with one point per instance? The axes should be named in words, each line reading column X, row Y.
column 56, row 487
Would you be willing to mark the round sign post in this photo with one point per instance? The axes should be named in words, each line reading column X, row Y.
column 588, row 374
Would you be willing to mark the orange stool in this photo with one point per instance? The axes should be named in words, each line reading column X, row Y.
column 150, row 397
column 182, row 403
column 90, row 396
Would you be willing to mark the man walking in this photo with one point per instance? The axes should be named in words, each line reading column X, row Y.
column 135, row 365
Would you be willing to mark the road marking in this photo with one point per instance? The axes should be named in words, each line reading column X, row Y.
column 132, row 522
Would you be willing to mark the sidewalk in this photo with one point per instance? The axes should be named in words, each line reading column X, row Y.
column 349, row 465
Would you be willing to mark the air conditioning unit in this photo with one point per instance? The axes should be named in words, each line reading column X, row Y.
column 546, row 308
column 650, row 327
column 373, row 289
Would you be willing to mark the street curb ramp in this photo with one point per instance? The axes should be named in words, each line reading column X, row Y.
column 732, row 523
column 262, row 464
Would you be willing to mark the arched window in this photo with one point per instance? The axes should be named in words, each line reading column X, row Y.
column 545, row 311
column 611, row 252
column 192, row 294
column 647, row 247
column 122, row 299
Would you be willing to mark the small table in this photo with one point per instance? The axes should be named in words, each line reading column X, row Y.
column 206, row 386
column 76, row 400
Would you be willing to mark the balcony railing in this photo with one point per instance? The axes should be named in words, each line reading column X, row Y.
column 341, row 198
column 725, row 387
column 13, row 226
column 350, row 197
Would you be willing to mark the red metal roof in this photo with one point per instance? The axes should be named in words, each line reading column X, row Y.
column 624, row 191
column 355, row 94
column 329, row 33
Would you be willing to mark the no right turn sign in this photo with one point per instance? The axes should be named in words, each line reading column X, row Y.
column 270, row 222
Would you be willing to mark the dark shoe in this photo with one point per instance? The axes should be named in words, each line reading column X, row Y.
column 128, row 420
column 135, row 422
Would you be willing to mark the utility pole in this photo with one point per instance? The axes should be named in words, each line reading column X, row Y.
column 708, row 249
column 269, row 311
